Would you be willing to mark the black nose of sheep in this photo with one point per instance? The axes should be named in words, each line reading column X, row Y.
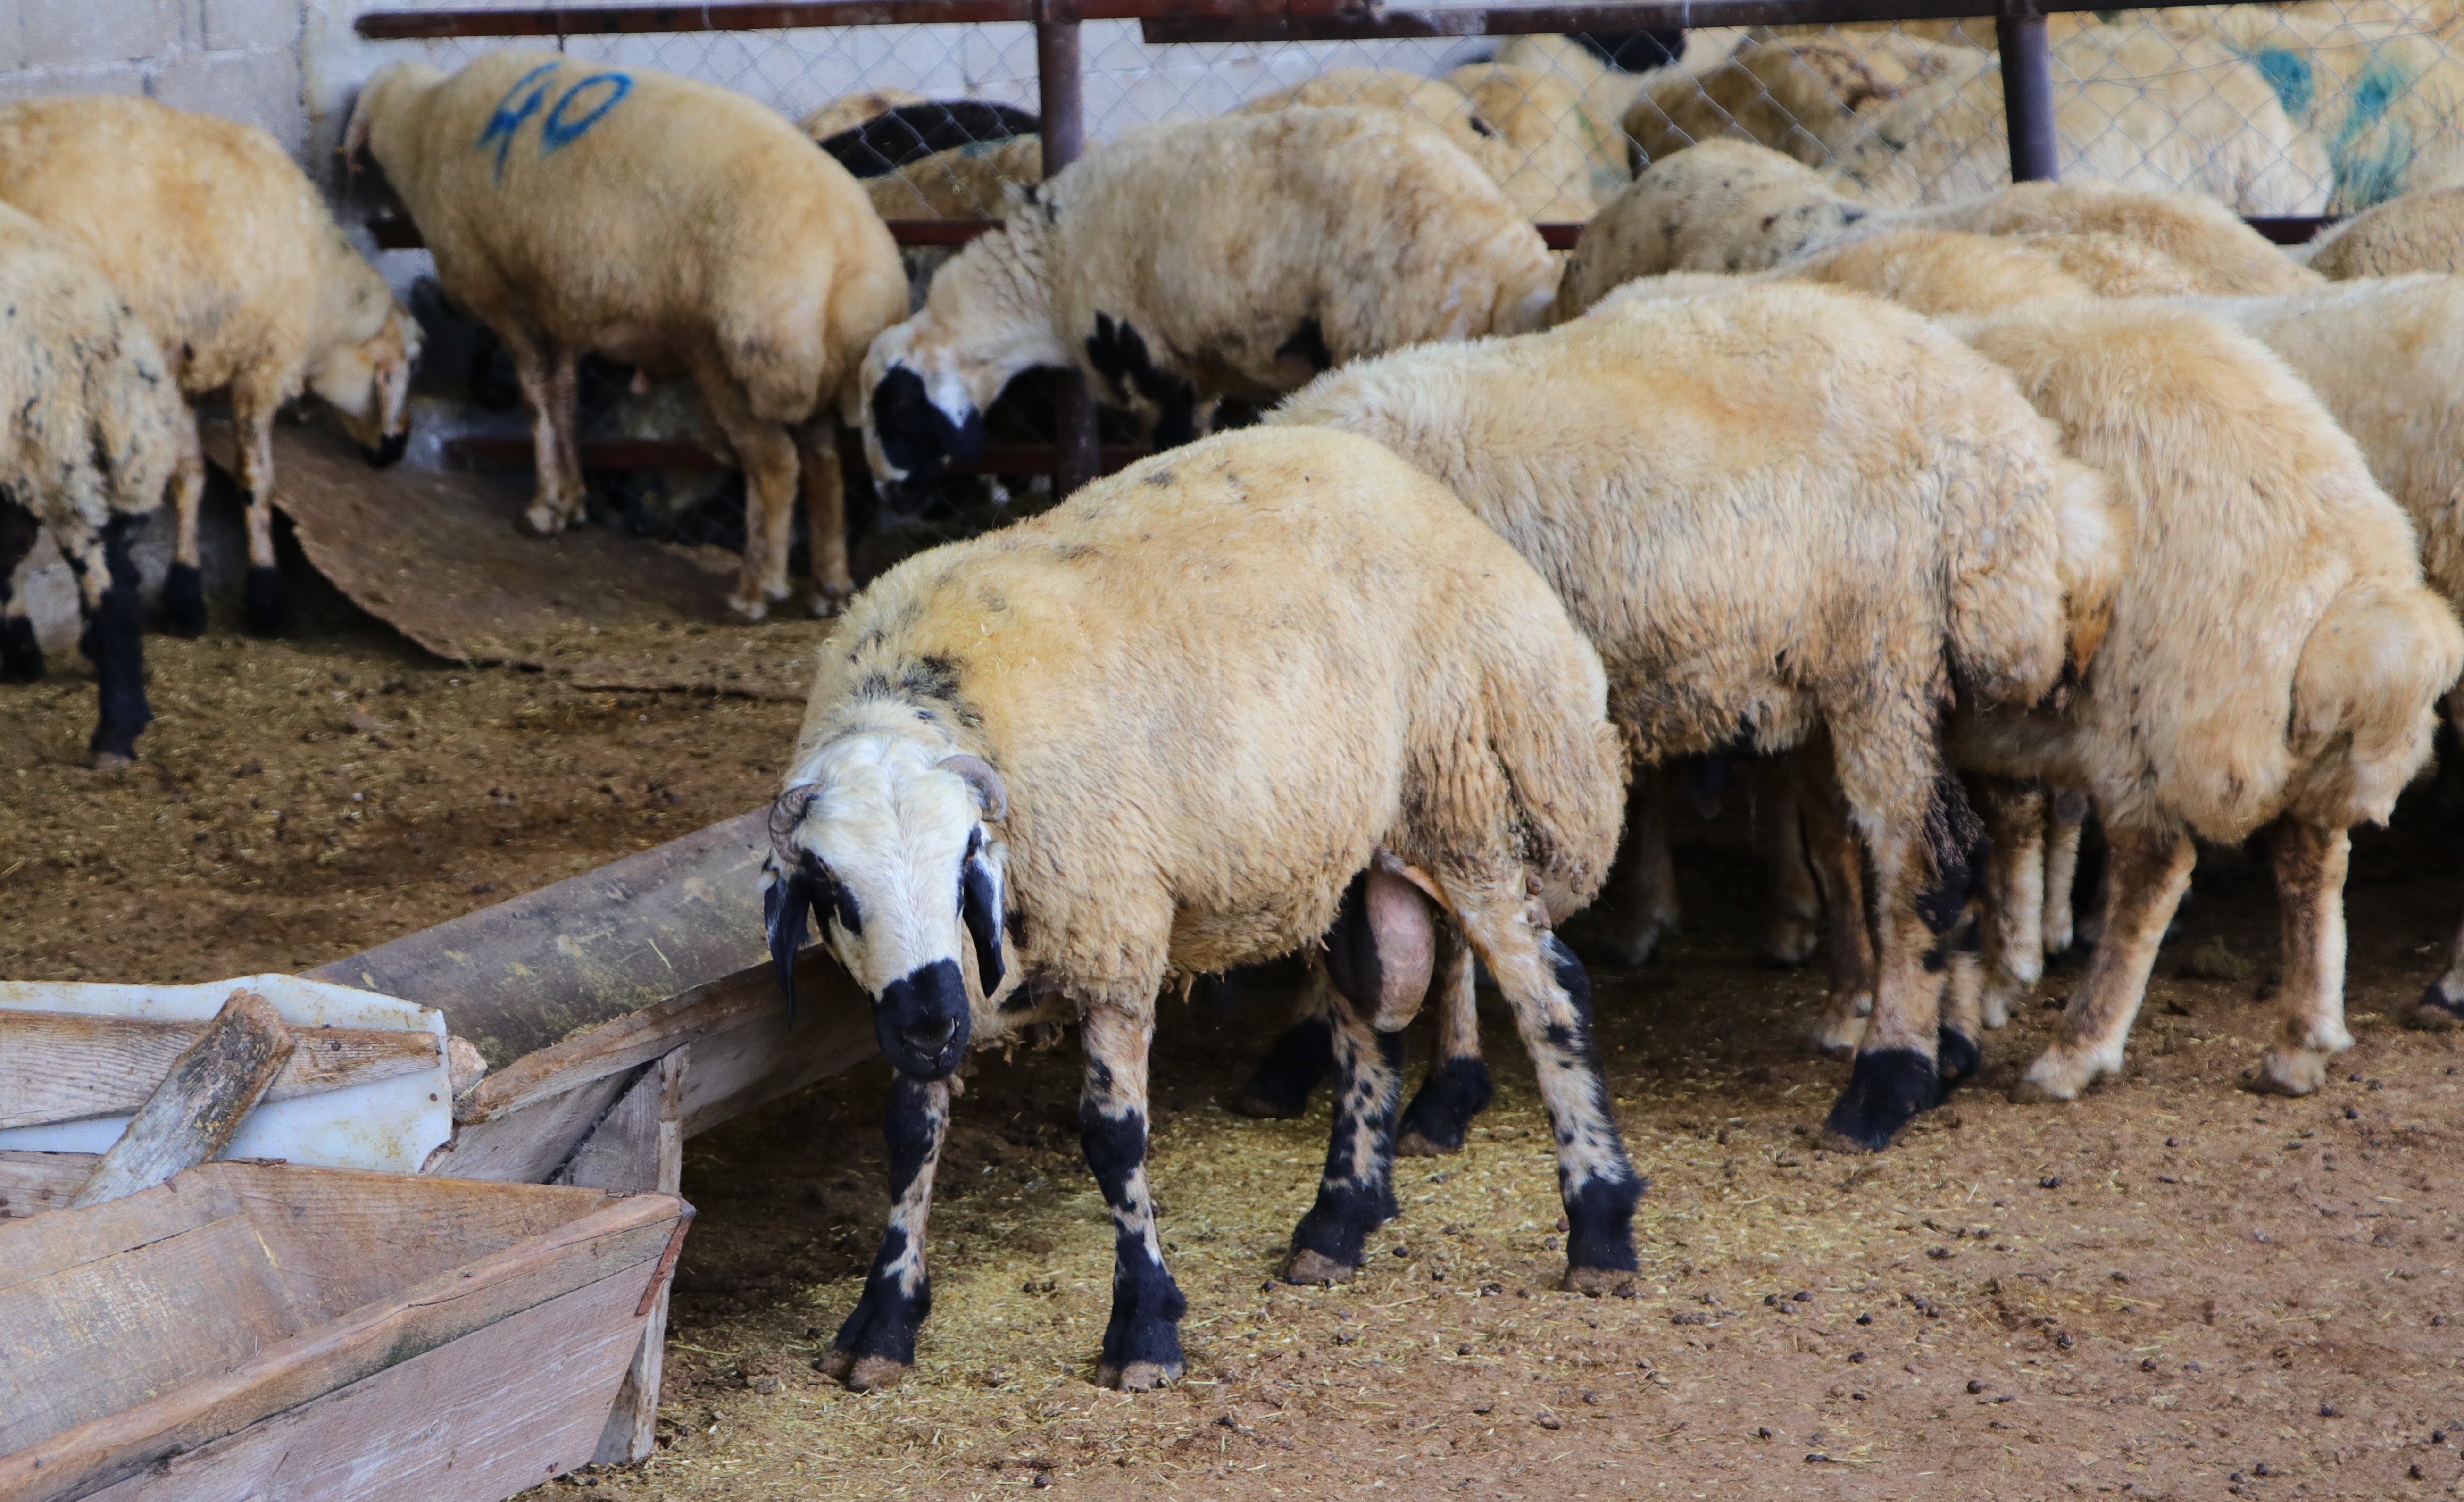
column 385, row 455
column 918, row 438
column 922, row 1021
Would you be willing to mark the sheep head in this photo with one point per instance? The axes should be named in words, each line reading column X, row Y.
column 883, row 837
column 367, row 384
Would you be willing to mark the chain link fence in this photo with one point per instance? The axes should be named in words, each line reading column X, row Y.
column 2321, row 107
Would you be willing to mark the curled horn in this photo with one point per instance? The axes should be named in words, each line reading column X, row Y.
column 986, row 783
column 788, row 890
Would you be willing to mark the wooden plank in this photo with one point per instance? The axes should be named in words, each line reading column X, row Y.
column 527, row 1146
column 491, row 1414
column 72, row 1067
column 33, row 1182
column 621, row 1241
column 638, row 1144
column 112, row 1332
column 212, row 1084
column 41, row 1246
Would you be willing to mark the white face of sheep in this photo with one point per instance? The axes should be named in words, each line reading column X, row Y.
column 368, row 386
column 885, row 843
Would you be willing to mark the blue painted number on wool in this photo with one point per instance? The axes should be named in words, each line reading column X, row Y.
column 563, row 126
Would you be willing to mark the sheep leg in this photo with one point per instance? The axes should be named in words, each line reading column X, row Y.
column 551, row 385
column 1640, row 908
column 184, row 590
column 2145, row 875
column 768, row 455
column 2442, row 1001
column 113, row 637
column 1300, row 1057
column 1839, row 869
column 1927, row 867
column 1552, row 998
column 1142, row 1341
column 1458, row 1087
column 1357, row 1194
column 2310, row 863
column 876, row 1345
column 2061, row 867
column 1792, row 927
column 21, row 655
column 269, row 609
column 817, row 449
column 2015, row 876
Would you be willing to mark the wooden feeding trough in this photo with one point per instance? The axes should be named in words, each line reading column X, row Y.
column 255, row 1331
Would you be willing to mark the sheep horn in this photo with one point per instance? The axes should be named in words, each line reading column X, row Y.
column 986, row 783
column 786, row 813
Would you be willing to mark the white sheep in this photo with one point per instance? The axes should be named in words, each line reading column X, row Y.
column 2418, row 231
column 667, row 223
column 1521, row 153
column 234, row 264
column 1727, row 206
column 1198, row 260
column 1050, row 769
column 91, row 429
column 1775, row 509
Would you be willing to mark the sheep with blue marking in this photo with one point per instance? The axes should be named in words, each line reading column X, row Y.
column 235, row 267
column 1200, row 259
column 91, row 429
column 666, row 224
column 1273, row 691
column 1776, row 509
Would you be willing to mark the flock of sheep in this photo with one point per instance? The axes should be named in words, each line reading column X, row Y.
column 1966, row 520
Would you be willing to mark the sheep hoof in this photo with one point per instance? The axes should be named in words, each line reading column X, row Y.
column 108, row 761
column 2290, row 1073
column 1315, row 1269
column 835, row 1363
column 1412, row 1144
column 872, row 1374
column 1456, row 1091
column 541, row 519
column 830, row 600
column 2055, row 1076
column 1594, row 1282
column 1837, row 1037
column 1956, row 1055
column 1287, row 1076
column 747, row 610
column 1787, row 942
column 1886, row 1088
column 184, row 601
column 1139, row 1377
column 21, row 656
column 2434, row 1012
column 268, row 608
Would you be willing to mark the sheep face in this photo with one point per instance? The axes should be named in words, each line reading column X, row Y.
column 368, row 386
column 922, row 414
column 884, row 839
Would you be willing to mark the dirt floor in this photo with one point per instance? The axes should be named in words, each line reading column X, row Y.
column 2172, row 1289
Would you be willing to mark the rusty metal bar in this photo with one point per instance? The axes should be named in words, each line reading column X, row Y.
column 1061, row 103
column 2028, row 91
column 1304, row 20
column 773, row 16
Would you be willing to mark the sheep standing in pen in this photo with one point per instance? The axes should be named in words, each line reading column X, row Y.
column 670, row 225
column 1726, row 205
column 1774, row 510
column 1046, row 771
column 2418, row 231
column 1204, row 258
column 91, row 429
column 1546, row 178
column 233, row 263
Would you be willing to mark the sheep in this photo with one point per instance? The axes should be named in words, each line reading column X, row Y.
column 850, row 110
column 670, row 225
column 994, row 810
column 961, row 183
column 1517, row 149
column 1728, row 206
column 93, row 429
column 1770, row 508
column 1204, row 258
column 2273, row 661
column 2137, row 107
column 242, row 278
column 2418, row 231
column 2382, row 98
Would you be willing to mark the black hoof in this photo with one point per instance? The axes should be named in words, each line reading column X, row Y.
column 1886, row 1087
column 1144, row 1333
column 2436, row 1012
column 1456, row 1091
column 21, row 656
column 184, row 601
column 1956, row 1055
column 1303, row 1054
column 883, row 1325
column 268, row 608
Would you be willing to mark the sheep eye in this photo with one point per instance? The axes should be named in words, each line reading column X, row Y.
column 842, row 904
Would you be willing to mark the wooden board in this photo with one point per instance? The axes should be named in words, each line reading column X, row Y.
column 437, row 556
column 69, row 1066
column 316, row 1241
column 493, row 1414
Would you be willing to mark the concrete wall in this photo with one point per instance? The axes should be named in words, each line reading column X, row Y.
column 234, row 58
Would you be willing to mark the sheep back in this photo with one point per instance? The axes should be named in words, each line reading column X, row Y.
column 1215, row 683
column 2418, row 231
column 654, row 219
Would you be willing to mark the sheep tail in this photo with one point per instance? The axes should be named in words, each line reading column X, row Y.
column 2370, row 676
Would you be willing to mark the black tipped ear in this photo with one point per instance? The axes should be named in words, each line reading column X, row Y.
column 786, row 905
column 980, row 905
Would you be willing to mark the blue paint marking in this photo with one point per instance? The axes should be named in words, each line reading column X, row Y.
column 2365, row 178
column 557, row 131
column 510, row 116
column 2288, row 74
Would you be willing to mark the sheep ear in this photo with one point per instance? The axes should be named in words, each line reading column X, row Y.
column 355, row 135
column 980, row 905
column 786, row 906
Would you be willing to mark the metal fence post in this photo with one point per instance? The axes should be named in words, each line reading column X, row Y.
column 1060, row 100
column 2026, row 91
